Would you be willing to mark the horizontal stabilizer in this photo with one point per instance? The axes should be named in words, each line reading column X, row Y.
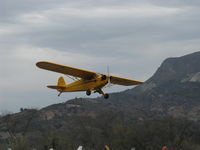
column 56, row 87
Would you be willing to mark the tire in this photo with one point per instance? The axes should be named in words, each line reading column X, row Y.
column 106, row 96
column 88, row 92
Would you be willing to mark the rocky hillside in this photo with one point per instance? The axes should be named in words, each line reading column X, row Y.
column 173, row 90
column 165, row 106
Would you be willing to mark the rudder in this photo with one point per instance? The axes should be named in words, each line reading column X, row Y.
column 61, row 85
column 61, row 82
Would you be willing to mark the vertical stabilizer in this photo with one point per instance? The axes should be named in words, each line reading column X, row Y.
column 61, row 82
column 60, row 87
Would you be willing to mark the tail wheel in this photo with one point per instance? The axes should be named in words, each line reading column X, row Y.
column 88, row 92
column 106, row 96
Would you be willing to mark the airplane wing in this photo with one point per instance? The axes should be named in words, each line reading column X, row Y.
column 123, row 81
column 84, row 74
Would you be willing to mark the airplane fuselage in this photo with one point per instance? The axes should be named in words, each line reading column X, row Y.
column 85, row 85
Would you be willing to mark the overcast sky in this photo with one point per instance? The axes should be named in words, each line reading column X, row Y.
column 132, row 37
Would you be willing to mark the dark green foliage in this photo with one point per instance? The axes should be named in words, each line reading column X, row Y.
column 117, row 130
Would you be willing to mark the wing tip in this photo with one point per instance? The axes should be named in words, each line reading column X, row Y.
column 140, row 82
column 38, row 64
column 41, row 63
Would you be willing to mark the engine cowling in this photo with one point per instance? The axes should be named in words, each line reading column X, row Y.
column 103, row 77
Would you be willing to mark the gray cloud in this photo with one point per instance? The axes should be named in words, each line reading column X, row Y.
column 88, row 34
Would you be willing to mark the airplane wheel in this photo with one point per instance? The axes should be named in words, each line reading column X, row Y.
column 88, row 92
column 106, row 96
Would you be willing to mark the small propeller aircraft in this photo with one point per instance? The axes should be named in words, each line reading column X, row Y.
column 84, row 80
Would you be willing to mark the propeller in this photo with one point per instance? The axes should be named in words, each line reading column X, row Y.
column 109, row 77
column 104, row 77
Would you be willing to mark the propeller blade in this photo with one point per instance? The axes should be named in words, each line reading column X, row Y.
column 108, row 72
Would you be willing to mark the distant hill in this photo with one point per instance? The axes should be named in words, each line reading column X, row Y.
column 174, row 89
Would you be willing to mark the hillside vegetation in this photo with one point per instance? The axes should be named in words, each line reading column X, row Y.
column 165, row 110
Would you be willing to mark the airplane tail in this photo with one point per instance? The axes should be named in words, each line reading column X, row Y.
column 60, row 85
column 61, row 82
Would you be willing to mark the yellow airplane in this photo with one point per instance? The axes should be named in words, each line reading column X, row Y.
column 84, row 80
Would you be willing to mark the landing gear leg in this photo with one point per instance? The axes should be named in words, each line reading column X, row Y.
column 88, row 92
column 59, row 93
column 105, row 95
